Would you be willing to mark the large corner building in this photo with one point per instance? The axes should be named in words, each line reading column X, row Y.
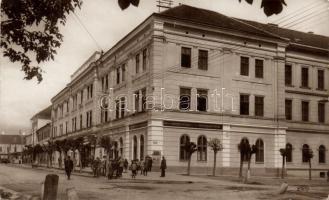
column 189, row 74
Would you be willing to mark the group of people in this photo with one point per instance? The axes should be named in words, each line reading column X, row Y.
column 115, row 167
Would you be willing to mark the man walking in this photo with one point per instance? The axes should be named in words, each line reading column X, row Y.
column 163, row 167
column 68, row 164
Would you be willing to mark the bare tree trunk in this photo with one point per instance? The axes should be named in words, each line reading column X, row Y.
column 189, row 165
column 215, row 161
column 283, row 166
column 248, row 169
column 310, row 170
column 241, row 165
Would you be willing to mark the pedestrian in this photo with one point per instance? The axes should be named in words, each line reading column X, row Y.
column 110, row 168
column 150, row 164
column 68, row 164
column 125, row 165
column 142, row 166
column 133, row 169
column 163, row 167
column 103, row 166
column 146, row 165
column 121, row 166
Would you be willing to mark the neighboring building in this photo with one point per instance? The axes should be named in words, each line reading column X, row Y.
column 44, row 134
column 189, row 74
column 11, row 147
column 39, row 120
column 28, row 140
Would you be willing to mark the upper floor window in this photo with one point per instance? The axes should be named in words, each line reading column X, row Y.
column 137, row 63
column 259, row 68
column 185, row 99
column 123, row 72
column 186, row 57
column 304, row 77
column 259, row 106
column 202, row 100
column 244, row 104
column 105, row 83
column 244, row 66
column 288, row 75
column 144, row 59
column 123, row 107
column 321, row 112
column 320, row 79
column 137, row 97
column 305, row 110
column 143, row 99
column 81, row 96
column 80, row 122
column 203, row 60
column 118, row 75
column 288, row 109
column 89, row 91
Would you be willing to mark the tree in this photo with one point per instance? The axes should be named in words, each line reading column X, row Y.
column 30, row 29
column 107, row 143
column 283, row 153
column 37, row 149
column 250, row 151
column 190, row 148
column 216, row 146
column 244, row 148
column 308, row 152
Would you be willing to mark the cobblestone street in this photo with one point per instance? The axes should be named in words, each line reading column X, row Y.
column 27, row 181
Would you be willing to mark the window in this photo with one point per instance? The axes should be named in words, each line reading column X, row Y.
column 105, row 83
column 143, row 99
column 244, row 104
column 259, row 106
column 288, row 75
column 67, row 105
column 118, row 75
column 288, row 109
column 260, row 150
column 185, row 99
column 121, row 147
column 66, row 127
column 305, row 77
column 89, row 119
column 89, row 91
column 74, row 124
column 288, row 152
column 134, row 147
column 202, row 148
column 123, row 107
column 141, row 148
column 305, row 153
column 184, row 139
column 186, row 57
column 144, row 59
column 321, row 79
column 117, row 109
column 202, row 100
column 123, row 73
column 203, row 60
column 106, row 115
column 305, row 111
column 80, row 122
column 259, row 68
column 322, row 154
column 321, row 112
column 137, row 63
column 244, row 66
column 81, row 96
column 136, row 96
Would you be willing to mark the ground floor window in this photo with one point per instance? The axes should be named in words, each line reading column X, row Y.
column 184, row 139
column 322, row 154
column 202, row 148
column 260, row 151
column 289, row 152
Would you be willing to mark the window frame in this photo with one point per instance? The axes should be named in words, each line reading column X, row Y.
column 259, row 69
column 186, row 57
column 202, row 94
column 182, row 96
column 288, row 75
column 288, row 117
column 305, row 116
column 258, row 105
column 183, row 155
column 242, row 103
column 322, row 154
column 321, row 79
column 244, row 65
column 305, row 77
column 203, row 59
column 260, row 154
column 202, row 148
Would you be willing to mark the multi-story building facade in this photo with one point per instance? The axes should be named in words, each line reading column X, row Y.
column 39, row 120
column 189, row 74
column 11, row 147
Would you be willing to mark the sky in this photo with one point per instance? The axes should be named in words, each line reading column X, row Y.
column 107, row 24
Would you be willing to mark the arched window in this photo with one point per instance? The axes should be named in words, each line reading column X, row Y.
column 182, row 152
column 260, row 150
column 305, row 152
column 141, row 148
column 322, row 154
column 289, row 152
column 244, row 141
column 121, row 147
column 202, row 148
column 135, row 148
